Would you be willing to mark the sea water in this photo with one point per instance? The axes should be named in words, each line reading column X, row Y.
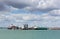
column 29, row 34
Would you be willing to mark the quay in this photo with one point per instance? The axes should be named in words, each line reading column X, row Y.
column 27, row 28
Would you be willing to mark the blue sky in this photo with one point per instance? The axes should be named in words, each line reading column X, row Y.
column 42, row 13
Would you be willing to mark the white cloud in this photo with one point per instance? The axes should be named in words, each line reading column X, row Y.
column 55, row 12
column 45, row 20
column 44, row 5
column 51, row 18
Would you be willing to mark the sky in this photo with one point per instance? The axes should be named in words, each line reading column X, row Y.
column 41, row 13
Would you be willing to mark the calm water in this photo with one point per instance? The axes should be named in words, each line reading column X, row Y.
column 29, row 34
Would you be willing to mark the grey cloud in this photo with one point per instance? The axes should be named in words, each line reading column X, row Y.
column 16, row 5
column 2, row 7
column 34, row 5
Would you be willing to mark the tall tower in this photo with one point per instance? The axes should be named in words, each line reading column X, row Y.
column 26, row 26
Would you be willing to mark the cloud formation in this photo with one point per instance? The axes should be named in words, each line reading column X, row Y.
column 46, row 20
column 31, row 5
column 50, row 12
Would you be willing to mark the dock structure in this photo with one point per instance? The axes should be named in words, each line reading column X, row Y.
column 26, row 27
column 13, row 27
column 54, row 28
